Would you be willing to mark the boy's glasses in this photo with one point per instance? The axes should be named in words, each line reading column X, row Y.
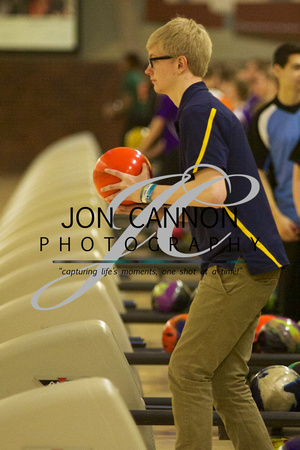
column 157, row 58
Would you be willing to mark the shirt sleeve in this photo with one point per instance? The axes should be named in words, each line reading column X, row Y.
column 259, row 149
column 295, row 155
column 203, row 138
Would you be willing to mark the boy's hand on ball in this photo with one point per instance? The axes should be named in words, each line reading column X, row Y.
column 126, row 180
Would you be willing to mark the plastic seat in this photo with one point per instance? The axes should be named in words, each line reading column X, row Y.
column 49, row 200
column 85, row 414
column 52, row 226
column 59, row 185
column 50, row 181
column 32, row 217
column 33, row 276
column 18, row 317
column 68, row 352
column 46, row 246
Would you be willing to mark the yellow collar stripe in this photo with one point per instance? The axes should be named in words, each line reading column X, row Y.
column 206, row 137
column 252, row 237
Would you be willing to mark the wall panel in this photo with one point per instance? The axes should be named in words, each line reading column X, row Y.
column 44, row 99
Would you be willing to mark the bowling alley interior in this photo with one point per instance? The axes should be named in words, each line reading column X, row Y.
column 91, row 309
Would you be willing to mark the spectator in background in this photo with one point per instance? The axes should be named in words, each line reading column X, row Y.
column 273, row 135
column 248, row 70
column 262, row 84
column 137, row 99
column 216, row 73
column 135, row 90
column 223, row 82
column 237, row 93
column 161, row 144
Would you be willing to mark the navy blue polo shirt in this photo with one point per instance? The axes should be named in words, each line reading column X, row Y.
column 211, row 134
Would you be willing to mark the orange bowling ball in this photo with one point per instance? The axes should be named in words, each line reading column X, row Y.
column 263, row 319
column 172, row 332
column 124, row 159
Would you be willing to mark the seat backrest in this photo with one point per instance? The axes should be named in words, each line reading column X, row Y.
column 38, row 205
column 35, row 275
column 13, row 239
column 72, row 350
column 18, row 317
column 52, row 246
column 68, row 352
column 85, row 414
column 39, row 214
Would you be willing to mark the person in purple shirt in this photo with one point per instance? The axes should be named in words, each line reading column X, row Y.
column 161, row 144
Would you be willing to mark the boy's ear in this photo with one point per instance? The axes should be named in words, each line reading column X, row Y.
column 182, row 62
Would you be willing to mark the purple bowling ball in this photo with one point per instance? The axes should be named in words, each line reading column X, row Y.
column 171, row 297
column 292, row 444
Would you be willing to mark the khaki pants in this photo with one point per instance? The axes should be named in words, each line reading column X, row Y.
column 209, row 364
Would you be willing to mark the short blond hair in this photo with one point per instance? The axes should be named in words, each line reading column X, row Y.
column 184, row 37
